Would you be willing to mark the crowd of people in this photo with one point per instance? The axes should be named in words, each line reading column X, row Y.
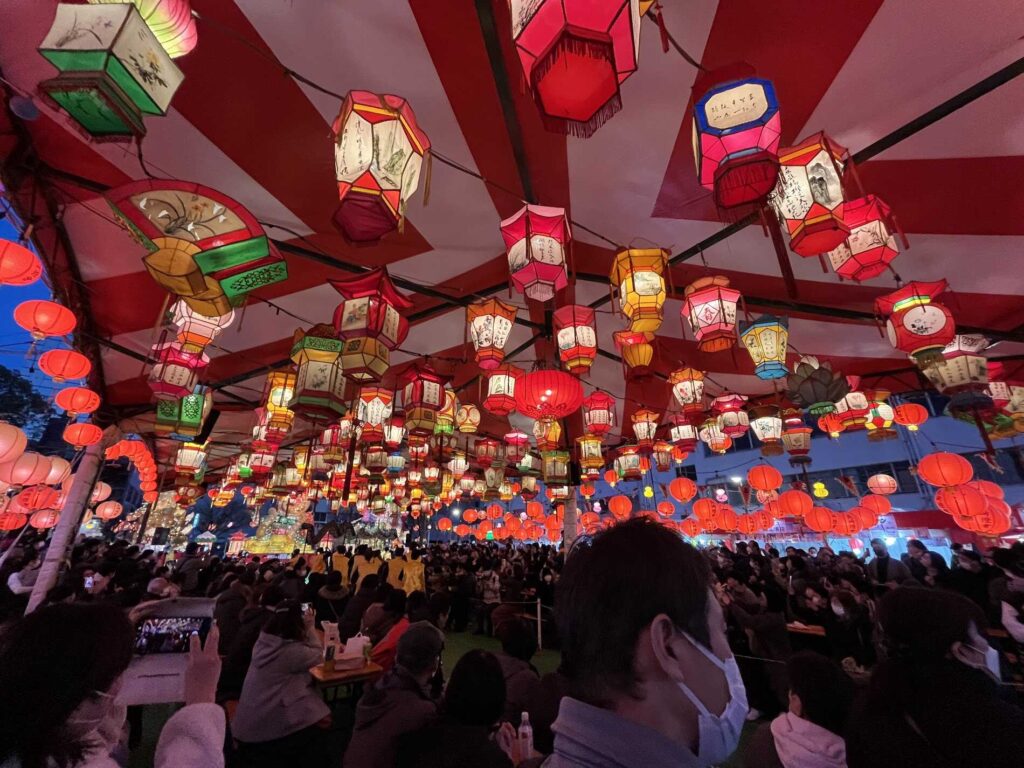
column 668, row 655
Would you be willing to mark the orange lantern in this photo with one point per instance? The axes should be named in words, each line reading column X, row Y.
column 818, row 519
column 44, row 518
column 28, row 468
column 665, row 508
column 620, row 506
column 846, row 524
column 877, row 504
column 995, row 521
column 882, row 484
column 109, row 510
column 534, row 510
column 795, row 504
column 77, row 400
column 865, row 517
column 945, row 469
column 490, row 323
column 637, row 275
column 682, row 489
column 495, row 511
column 726, row 517
column 611, row 477
column 63, row 364
column 18, row 265
column 764, row 477
column 369, row 322
column 12, row 521
column 444, row 524
column 764, row 520
column 690, row 527
column 471, row 515
column 705, row 510
column 81, row 434
column 636, row 351
column 587, row 490
column 12, row 442
column 990, row 489
column 37, row 497
column 962, row 500
column 44, row 318
column 910, row 415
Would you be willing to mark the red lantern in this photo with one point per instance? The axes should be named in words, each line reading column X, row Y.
column 736, row 126
column 705, row 510
column 109, row 510
column 77, row 400
column 379, row 150
column 731, row 419
column 866, row 519
column 764, row 477
column 12, row 442
column 575, row 54
column 44, row 518
column 370, row 323
column 996, row 520
column 795, row 504
column 917, row 324
column 490, row 322
column 871, row 244
column 576, row 337
column 501, row 390
column 945, row 469
column 880, row 505
column 846, row 524
column 12, row 521
column 535, row 239
column 175, row 373
column 818, row 519
column 37, row 497
column 809, row 195
column 690, row 527
column 18, row 265
column 63, row 364
column 444, row 524
column 598, row 413
column 882, row 484
column 534, row 510
column 611, row 477
column 424, row 396
column 710, row 308
column 682, row 489
column 548, row 394
column 81, row 434
column 620, row 506
column 44, row 318
column 726, row 518
column 990, row 489
column 962, row 500
column 746, row 524
column 636, row 351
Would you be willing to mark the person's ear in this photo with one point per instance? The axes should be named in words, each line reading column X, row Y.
column 964, row 653
column 666, row 646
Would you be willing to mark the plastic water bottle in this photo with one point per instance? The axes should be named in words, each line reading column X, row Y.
column 524, row 738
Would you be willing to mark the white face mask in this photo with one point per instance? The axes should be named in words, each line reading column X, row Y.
column 838, row 610
column 991, row 664
column 719, row 734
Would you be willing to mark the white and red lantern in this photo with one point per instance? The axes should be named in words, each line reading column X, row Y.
column 370, row 323
column 576, row 337
column 683, row 433
column 645, row 424
column 871, row 245
column 501, row 390
column 598, row 413
column 536, row 239
column 710, row 308
column 809, row 195
column 490, row 323
column 916, row 323
column 424, row 396
column 729, row 413
column 175, row 373
column 963, row 372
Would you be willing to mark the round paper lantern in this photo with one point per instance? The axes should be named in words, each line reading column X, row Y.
column 705, row 509
column 18, row 265
column 44, row 518
column 28, row 469
column 962, row 500
column 818, row 519
column 846, row 524
column 771, row 506
column 796, row 504
column 944, row 469
column 534, row 510
column 665, row 508
column 910, row 415
column 12, row 521
column 763, row 520
column 471, row 515
column 682, row 489
column 916, row 323
column 996, row 520
column 726, row 517
column 620, row 507
column 746, row 524
column 60, row 470
column 877, row 504
column 108, row 510
column 12, row 442
column 77, row 400
column 764, row 477
column 44, row 318
column 882, row 484
column 81, row 434
column 37, row 497
column 548, row 394
column 495, row 511
column 690, row 527
column 866, row 519
column 101, row 492
column 990, row 489
column 611, row 477
column 444, row 524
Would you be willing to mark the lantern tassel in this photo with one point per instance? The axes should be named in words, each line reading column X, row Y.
column 427, row 172
column 662, row 30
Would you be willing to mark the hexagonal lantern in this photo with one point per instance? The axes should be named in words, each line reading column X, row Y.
column 871, row 245
column 645, row 424
column 682, row 433
column 370, row 323
column 916, row 323
column 319, row 382
column 636, row 351
column 767, row 341
column 423, row 396
column 378, row 153
column 963, row 372
column 637, row 275
column 766, row 424
column 598, row 413
column 688, row 389
column 516, row 446
column 576, row 336
column 588, row 451
column 501, row 390
column 175, row 372
column 729, row 413
column 374, row 406
column 710, row 308
column 490, row 322
column 536, row 238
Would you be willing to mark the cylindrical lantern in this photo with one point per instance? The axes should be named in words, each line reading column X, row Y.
column 683, row 433
column 645, row 424
column 576, row 337
column 796, row 438
column 279, row 391
column 688, row 389
column 638, row 277
column 423, row 395
column 766, row 424
column 378, row 153
column 871, row 245
column 710, row 308
column 501, row 390
column 636, row 350
column 490, row 322
column 809, row 195
column 536, row 239
column 916, row 323
column 767, row 340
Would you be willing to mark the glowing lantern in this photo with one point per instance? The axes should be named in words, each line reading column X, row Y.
column 713, row 437
column 556, row 466
column 575, row 54
column 63, row 364
column 962, row 373
column 882, row 484
column 588, row 450
column 175, row 372
column 620, row 506
column 368, row 320
column 424, row 396
column 764, row 477
column 445, row 424
column 501, row 390
column 916, row 323
column 710, row 307
column 820, row 491
column 809, row 195
column 516, row 445
column 766, row 424
column 683, row 434
column 25, row 468
column 880, row 505
column 945, row 469
column 279, row 391
column 688, row 389
column 374, row 406
column 820, row 519
column 378, row 153
column 796, row 438
column 767, row 340
column 170, row 21
column 44, row 518
column 109, row 510
column 547, row 433
column 18, row 265
column 183, row 419
column 467, row 419
column 853, row 409
column 690, row 527
column 870, row 246
column 636, row 350
column 490, row 322
column 79, row 435
column 627, row 463
column 831, row 424
column 548, row 394
column 37, row 497
column 645, row 424
column 60, row 470
column 44, row 318
column 880, row 417
column 637, row 275
column 865, row 518
column 682, row 489
column 195, row 330
column 487, row 451
column 190, row 459
column 535, row 240
column 611, row 477
column 736, row 127
column 77, row 400
column 795, row 504
column 732, row 420
column 662, row 454
column 576, row 337
column 319, row 391
column 112, row 76
column 12, row 521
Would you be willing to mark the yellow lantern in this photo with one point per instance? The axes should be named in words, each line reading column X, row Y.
column 636, row 350
column 280, row 389
column 588, row 448
column 467, row 419
column 547, row 433
column 637, row 274
column 767, row 340
column 319, row 388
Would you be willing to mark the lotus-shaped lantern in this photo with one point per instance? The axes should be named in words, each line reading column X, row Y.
column 815, row 386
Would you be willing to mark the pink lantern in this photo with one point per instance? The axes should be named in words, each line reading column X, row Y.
column 27, row 469
column 710, row 307
column 536, row 239
column 175, row 373
column 871, row 244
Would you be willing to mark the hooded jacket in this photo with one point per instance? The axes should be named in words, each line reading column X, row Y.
column 278, row 696
column 521, row 685
column 792, row 742
column 397, row 705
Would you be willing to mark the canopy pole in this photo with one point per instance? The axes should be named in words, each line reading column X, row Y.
column 569, row 519
column 86, row 474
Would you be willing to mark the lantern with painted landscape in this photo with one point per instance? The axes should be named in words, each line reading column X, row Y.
column 378, row 154
column 710, row 308
column 175, row 372
column 767, row 341
column 638, row 277
column 536, row 239
column 808, row 197
column 683, row 433
column 688, row 389
column 576, row 337
column 736, row 128
column 729, row 413
column 423, row 395
column 636, row 351
column 588, row 451
column 501, row 390
column 627, row 463
column 645, row 424
column 490, row 323
column 916, row 323
column 766, row 423
column 319, row 390
column 575, row 54
column 871, row 245
column 796, row 437
column 370, row 323
column 962, row 373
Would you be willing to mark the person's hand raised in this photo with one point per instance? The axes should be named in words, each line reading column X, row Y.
column 203, row 668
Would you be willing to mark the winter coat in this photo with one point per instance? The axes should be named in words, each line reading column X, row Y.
column 352, row 617
column 395, row 706
column 450, row 744
column 189, row 569
column 236, row 662
column 384, row 652
column 330, row 604
column 278, row 696
column 521, row 685
column 792, row 742
column 895, row 571
column 228, row 613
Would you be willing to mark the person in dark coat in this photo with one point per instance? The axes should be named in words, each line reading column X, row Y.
column 971, row 578
column 849, row 629
column 522, row 681
column 472, row 706
column 227, row 611
column 352, row 617
column 936, row 699
column 330, row 600
column 239, row 655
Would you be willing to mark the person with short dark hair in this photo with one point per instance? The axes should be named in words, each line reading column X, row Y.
column 331, row 599
column 643, row 642
column 883, row 570
column 189, row 568
column 810, row 734
column 352, row 617
column 935, row 699
column 518, row 646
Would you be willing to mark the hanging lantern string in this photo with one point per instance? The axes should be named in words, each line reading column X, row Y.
column 657, row 16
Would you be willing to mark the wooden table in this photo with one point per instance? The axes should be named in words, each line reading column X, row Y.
column 812, row 629
column 344, row 683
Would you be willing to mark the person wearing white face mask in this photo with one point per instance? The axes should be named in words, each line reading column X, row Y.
column 60, row 673
column 653, row 682
column 937, row 698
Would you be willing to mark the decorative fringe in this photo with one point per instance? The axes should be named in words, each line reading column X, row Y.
column 583, row 130
column 429, row 163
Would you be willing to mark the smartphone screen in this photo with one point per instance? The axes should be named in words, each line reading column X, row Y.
column 169, row 634
column 89, row 581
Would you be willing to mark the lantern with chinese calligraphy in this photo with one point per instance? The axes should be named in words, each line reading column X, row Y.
column 556, row 466
column 736, row 127
column 175, row 373
column 194, row 329
column 487, row 451
column 662, row 455
column 962, row 374
column 645, row 424
column 731, row 418
column 916, row 323
column 815, row 386
column 767, row 340
column 368, row 320
column 501, row 390
column 809, row 195
column 852, row 410
column 575, row 54
column 627, row 463
column 871, row 245
column 636, row 351
column 688, row 389
column 536, row 239
column 910, row 415
column 683, row 433
column 576, row 337
column 190, row 460
column 710, row 307
column 516, row 445
column 598, row 413
column 637, row 275
column 319, row 390
column 374, row 406
column 424, row 396
column 490, row 322
column 796, row 438
column 378, row 153
column 766, row 424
